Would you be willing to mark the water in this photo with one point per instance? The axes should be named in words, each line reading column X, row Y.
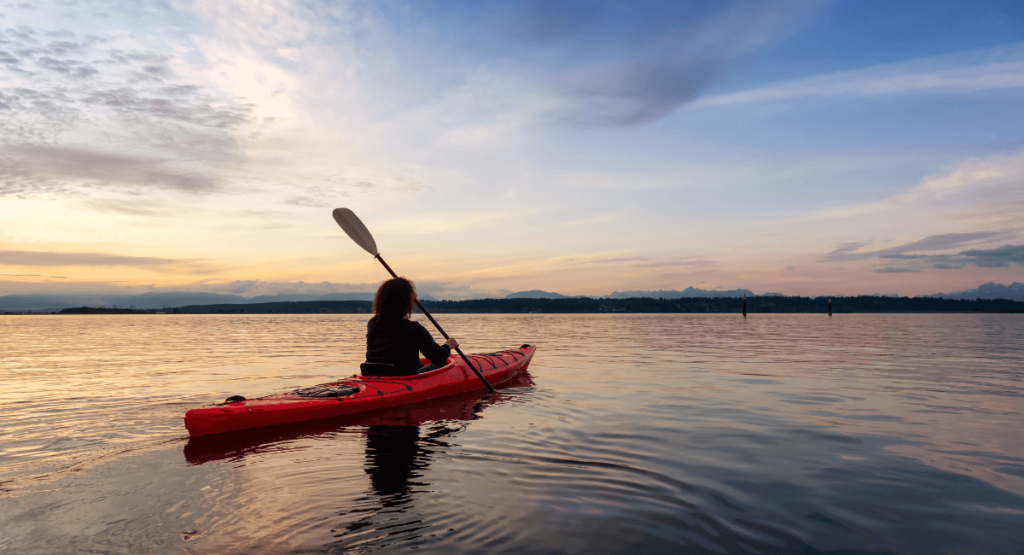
column 631, row 433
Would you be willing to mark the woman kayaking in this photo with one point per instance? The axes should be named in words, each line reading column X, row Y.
column 393, row 341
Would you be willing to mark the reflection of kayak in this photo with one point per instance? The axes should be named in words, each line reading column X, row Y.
column 358, row 394
column 453, row 408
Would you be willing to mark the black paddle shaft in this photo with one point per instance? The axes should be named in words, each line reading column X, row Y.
column 438, row 326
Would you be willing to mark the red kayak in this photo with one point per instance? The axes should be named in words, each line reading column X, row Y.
column 358, row 394
column 453, row 408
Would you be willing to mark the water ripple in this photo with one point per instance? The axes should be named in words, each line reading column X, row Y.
column 634, row 433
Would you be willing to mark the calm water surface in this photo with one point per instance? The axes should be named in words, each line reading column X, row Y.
column 631, row 433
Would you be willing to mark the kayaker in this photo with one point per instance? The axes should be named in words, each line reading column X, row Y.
column 393, row 341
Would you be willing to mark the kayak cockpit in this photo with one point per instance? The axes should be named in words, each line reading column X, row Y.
column 327, row 390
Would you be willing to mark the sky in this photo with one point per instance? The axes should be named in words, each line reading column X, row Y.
column 797, row 147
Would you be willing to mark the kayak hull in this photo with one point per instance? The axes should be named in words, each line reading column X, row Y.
column 452, row 408
column 374, row 393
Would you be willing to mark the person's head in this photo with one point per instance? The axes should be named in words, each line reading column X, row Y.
column 394, row 299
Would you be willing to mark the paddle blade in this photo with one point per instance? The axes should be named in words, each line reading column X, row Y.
column 355, row 229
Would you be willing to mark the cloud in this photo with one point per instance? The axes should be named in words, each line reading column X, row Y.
column 844, row 252
column 974, row 194
column 892, row 270
column 931, row 243
column 77, row 70
column 43, row 259
column 971, row 72
column 256, row 287
column 934, row 261
column 977, row 189
column 41, row 167
column 174, row 104
column 687, row 54
column 130, row 206
column 40, row 258
column 1000, row 257
column 81, row 111
column 990, row 211
column 945, row 241
column 210, row 106
column 322, row 191
column 654, row 262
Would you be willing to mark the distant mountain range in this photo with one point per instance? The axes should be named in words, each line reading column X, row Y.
column 660, row 294
column 158, row 300
column 536, row 294
column 164, row 300
column 687, row 293
column 145, row 300
column 989, row 291
column 1014, row 291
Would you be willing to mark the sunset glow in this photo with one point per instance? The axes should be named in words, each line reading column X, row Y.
column 804, row 148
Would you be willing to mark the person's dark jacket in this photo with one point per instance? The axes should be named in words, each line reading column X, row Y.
column 396, row 343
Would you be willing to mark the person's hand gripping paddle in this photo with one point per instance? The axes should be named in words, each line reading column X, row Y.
column 358, row 232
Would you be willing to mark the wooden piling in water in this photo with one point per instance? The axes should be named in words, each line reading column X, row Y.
column 744, row 305
column 830, row 307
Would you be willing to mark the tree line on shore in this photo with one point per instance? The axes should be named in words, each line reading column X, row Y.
column 584, row 305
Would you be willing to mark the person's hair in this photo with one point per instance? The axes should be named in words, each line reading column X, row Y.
column 394, row 299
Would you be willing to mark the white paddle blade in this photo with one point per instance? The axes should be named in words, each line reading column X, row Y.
column 355, row 229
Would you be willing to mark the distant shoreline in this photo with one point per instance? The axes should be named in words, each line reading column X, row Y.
column 583, row 305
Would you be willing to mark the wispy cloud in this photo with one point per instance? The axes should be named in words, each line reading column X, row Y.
column 976, row 190
column 999, row 257
column 970, row 72
column 257, row 287
column 971, row 195
column 845, row 251
column 653, row 262
column 37, row 258
column 914, row 260
column 44, row 258
column 947, row 241
column 892, row 270
column 81, row 111
column 672, row 68
column 70, row 77
column 41, row 167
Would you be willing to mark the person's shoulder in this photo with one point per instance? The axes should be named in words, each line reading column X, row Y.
column 415, row 326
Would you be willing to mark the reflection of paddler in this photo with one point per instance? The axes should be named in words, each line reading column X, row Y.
column 393, row 341
column 393, row 455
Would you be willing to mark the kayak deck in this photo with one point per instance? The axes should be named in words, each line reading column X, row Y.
column 358, row 394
